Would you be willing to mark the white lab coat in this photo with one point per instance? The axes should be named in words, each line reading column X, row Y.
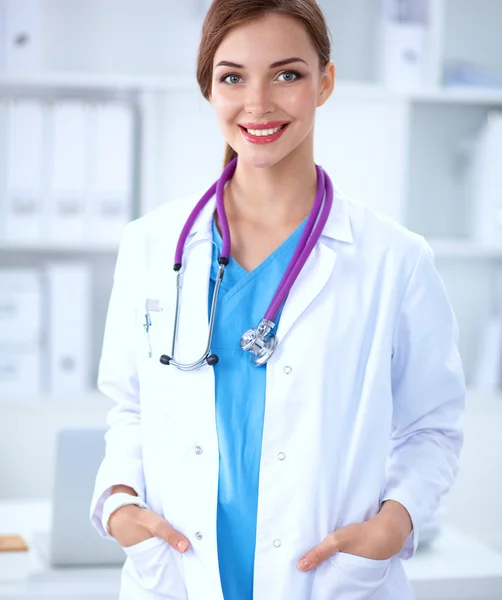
column 363, row 399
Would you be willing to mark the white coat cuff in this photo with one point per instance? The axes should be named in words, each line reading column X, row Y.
column 411, row 544
column 97, row 513
column 102, row 492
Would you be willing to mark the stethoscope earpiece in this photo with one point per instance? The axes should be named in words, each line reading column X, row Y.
column 212, row 360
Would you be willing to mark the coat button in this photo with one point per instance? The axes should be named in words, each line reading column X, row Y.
column 198, row 450
column 198, row 535
column 281, row 456
column 287, row 370
column 277, row 543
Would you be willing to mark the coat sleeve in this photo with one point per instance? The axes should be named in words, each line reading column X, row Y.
column 118, row 379
column 428, row 398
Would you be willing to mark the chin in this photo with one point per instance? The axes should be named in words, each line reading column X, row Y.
column 262, row 160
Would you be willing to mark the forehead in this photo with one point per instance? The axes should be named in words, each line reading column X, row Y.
column 265, row 40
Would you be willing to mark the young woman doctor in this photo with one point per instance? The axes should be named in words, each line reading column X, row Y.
column 299, row 462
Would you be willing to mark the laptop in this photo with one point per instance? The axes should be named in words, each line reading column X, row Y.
column 73, row 541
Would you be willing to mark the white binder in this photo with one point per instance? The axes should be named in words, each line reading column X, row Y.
column 3, row 35
column 3, row 165
column 24, row 171
column 487, row 373
column 20, row 332
column 485, row 182
column 20, row 308
column 113, row 169
column 69, row 318
column 20, row 371
column 403, row 38
column 21, row 35
column 66, row 206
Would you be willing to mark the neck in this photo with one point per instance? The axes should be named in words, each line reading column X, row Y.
column 279, row 195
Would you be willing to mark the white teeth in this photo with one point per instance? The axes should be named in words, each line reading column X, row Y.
column 264, row 132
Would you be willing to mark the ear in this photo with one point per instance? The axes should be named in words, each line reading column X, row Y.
column 327, row 83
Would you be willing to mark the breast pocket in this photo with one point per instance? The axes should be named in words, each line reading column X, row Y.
column 155, row 323
column 154, row 327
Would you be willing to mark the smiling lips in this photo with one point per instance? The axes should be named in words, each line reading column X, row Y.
column 263, row 133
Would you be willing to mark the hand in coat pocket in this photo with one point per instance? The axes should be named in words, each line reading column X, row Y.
column 131, row 525
column 380, row 538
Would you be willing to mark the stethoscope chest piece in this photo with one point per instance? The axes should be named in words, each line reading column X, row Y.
column 260, row 342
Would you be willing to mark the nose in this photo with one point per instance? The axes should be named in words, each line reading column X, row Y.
column 259, row 100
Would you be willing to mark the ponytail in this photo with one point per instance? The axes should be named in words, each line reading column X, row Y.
column 230, row 154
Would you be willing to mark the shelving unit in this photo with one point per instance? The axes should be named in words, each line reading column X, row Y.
column 458, row 249
column 92, row 400
column 407, row 141
column 395, row 149
column 57, row 248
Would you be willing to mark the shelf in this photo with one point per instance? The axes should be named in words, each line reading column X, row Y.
column 58, row 247
column 94, row 82
column 449, row 248
column 103, row 83
column 459, row 95
column 443, row 248
column 91, row 400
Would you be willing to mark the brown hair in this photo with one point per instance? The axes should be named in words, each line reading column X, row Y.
column 223, row 15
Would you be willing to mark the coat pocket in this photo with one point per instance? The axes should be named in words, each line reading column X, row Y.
column 352, row 578
column 156, row 568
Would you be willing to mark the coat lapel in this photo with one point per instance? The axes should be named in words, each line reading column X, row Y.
column 312, row 279
column 319, row 266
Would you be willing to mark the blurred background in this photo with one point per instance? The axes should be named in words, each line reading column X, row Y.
column 101, row 120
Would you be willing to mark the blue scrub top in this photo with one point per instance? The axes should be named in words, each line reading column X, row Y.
column 240, row 406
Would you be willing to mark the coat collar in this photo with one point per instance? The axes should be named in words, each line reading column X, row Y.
column 311, row 280
column 338, row 226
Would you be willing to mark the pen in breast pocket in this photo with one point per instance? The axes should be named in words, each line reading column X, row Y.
column 151, row 305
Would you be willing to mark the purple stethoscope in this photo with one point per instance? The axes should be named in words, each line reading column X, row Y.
column 260, row 342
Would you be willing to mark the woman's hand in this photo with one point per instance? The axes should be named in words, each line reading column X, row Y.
column 131, row 525
column 380, row 538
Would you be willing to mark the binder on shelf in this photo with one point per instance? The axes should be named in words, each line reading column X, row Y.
column 20, row 371
column 3, row 166
column 487, row 373
column 20, row 308
column 24, row 171
column 21, row 35
column 20, row 331
column 69, row 318
column 3, row 35
column 66, row 203
column 403, row 40
column 113, row 171
column 485, row 182
column 488, row 369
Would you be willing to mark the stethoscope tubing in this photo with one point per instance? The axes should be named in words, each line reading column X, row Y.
column 312, row 232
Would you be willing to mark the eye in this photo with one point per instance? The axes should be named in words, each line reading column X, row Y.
column 290, row 76
column 231, row 79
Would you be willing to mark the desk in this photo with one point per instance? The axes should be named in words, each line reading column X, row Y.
column 455, row 567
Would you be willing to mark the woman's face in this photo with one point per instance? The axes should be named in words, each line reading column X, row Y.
column 266, row 110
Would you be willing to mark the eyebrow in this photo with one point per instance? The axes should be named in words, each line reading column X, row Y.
column 279, row 63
